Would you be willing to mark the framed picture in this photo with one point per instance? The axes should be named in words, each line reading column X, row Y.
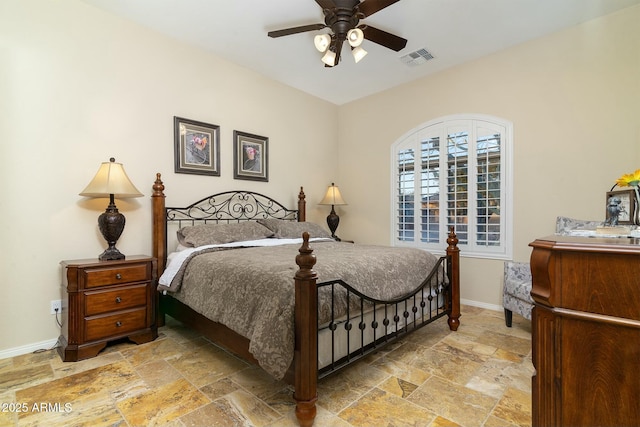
column 622, row 202
column 197, row 147
column 250, row 156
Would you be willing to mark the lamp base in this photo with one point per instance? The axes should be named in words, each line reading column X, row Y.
column 110, row 254
column 111, row 224
column 332, row 221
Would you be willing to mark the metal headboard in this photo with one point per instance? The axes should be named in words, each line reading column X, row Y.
column 232, row 206
column 224, row 207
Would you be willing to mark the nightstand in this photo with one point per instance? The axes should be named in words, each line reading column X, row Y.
column 104, row 301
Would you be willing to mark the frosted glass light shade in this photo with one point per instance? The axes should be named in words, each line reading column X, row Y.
column 358, row 53
column 329, row 58
column 322, row 42
column 355, row 37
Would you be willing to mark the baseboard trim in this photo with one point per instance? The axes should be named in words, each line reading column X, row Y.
column 481, row 304
column 29, row 348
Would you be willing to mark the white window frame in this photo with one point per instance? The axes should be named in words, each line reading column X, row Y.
column 439, row 127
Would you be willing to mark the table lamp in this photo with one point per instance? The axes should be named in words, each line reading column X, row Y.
column 111, row 181
column 333, row 198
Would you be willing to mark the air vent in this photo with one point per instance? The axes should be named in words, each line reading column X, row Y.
column 416, row 58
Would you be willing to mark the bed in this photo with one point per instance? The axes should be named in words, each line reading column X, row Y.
column 259, row 280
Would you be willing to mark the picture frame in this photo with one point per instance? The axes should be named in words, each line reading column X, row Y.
column 250, row 156
column 627, row 206
column 197, row 147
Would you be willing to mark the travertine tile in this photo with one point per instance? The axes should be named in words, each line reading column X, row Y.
column 378, row 408
column 155, row 350
column 477, row 376
column 157, row 372
column 339, row 391
column 24, row 376
column 64, row 369
column 86, row 385
column 398, row 387
column 162, row 405
column 515, row 407
column 257, row 382
column 401, row 370
column 506, row 342
column 206, row 364
column 453, row 401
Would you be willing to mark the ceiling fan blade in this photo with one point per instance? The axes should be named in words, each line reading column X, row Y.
column 383, row 38
column 369, row 7
column 326, row 4
column 295, row 30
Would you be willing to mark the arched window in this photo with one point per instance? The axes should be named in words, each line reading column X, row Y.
column 455, row 171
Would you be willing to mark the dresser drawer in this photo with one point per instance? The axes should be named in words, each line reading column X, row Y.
column 119, row 323
column 115, row 275
column 104, row 301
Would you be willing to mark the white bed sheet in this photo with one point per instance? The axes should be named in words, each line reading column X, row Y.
column 176, row 259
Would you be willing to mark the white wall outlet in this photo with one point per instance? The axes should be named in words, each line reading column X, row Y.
column 56, row 305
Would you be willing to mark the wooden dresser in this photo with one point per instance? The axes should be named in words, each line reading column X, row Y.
column 586, row 331
column 104, row 301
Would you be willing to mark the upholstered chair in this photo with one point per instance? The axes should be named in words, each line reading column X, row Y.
column 516, row 295
column 517, row 275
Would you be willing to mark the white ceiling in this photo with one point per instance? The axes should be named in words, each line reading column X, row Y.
column 453, row 31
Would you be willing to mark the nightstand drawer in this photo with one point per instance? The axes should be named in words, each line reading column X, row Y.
column 116, row 324
column 104, row 301
column 115, row 275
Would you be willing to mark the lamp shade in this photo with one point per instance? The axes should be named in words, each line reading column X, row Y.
column 355, row 37
column 111, row 179
column 333, row 196
column 358, row 53
column 322, row 42
column 329, row 58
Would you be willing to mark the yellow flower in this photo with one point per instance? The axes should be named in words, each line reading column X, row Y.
column 629, row 179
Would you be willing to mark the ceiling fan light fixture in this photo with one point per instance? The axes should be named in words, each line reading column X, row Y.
column 322, row 42
column 355, row 37
column 329, row 58
column 358, row 53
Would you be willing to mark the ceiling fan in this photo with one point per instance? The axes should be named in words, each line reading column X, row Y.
column 343, row 18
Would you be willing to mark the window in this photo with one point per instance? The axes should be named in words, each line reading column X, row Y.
column 454, row 171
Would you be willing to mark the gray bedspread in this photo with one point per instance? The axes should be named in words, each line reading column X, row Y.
column 251, row 290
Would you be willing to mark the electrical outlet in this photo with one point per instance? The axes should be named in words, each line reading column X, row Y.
column 56, row 305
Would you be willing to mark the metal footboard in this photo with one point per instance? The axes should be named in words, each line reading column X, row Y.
column 370, row 324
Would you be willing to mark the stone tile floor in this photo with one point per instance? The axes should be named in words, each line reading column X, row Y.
column 477, row 376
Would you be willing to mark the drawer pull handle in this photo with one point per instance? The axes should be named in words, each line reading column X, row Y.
column 118, row 323
column 118, row 300
column 118, row 276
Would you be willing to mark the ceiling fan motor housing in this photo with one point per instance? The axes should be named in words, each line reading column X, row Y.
column 343, row 18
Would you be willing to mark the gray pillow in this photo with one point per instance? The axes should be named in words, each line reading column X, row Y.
column 215, row 234
column 284, row 229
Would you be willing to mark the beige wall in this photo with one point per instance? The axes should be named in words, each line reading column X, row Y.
column 78, row 86
column 574, row 100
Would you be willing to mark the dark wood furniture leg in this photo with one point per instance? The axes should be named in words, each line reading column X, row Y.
column 454, row 268
column 306, row 338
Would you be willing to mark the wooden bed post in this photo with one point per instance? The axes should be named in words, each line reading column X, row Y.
column 159, row 233
column 302, row 207
column 306, row 335
column 454, row 267
column 159, row 224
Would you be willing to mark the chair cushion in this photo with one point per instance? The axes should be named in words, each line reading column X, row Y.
column 520, row 290
column 517, row 280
